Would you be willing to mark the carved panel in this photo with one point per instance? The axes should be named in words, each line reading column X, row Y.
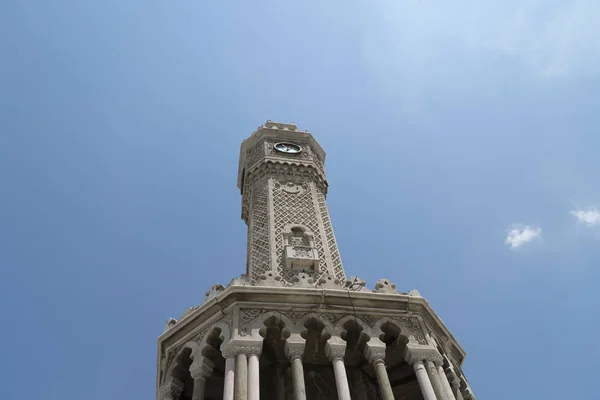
column 338, row 269
column 259, row 247
column 295, row 208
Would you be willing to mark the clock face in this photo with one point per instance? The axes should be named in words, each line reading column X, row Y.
column 288, row 148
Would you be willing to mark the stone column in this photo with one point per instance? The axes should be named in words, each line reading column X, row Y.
column 229, row 378
column 335, row 350
column 200, row 370
column 418, row 357
column 435, row 380
column 445, row 383
column 241, row 377
column 253, row 375
column 424, row 382
column 455, row 383
column 171, row 389
column 375, row 354
column 294, row 349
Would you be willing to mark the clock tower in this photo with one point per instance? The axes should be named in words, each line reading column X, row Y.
column 293, row 326
column 283, row 186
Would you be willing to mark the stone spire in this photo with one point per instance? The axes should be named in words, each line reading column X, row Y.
column 283, row 185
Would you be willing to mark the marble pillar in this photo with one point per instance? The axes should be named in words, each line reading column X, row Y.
column 445, row 383
column 200, row 369
column 435, row 380
column 335, row 350
column 241, row 377
column 253, row 377
column 229, row 378
column 375, row 354
column 294, row 349
column 424, row 382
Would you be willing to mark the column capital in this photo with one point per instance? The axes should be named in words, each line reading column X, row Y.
column 424, row 354
column 247, row 347
column 202, row 368
column 171, row 389
column 375, row 351
column 335, row 348
column 294, row 347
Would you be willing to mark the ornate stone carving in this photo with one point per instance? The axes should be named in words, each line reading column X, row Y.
column 414, row 293
column 214, row 291
column 355, row 284
column 328, row 282
column 259, row 246
column 424, row 354
column 412, row 329
column 171, row 389
column 171, row 355
column 170, row 323
column 269, row 279
column 374, row 353
column 303, row 280
column 385, row 286
column 201, row 369
column 294, row 349
column 335, row 351
column 336, row 260
column 294, row 315
column 255, row 154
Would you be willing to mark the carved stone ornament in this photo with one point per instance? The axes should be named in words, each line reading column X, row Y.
column 294, row 349
column 170, row 323
column 214, row 291
column 355, row 284
column 171, row 389
column 328, row 282
column 303, row 280
column 412, row 329
column 424, row 354
column 246, row 347
column 385, row 286
column 375, row 353
column 414, row 293
column 335, row 351
column 201, row 369
column 269, row 279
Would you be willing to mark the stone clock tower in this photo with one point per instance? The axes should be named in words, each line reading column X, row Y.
column 293, row 326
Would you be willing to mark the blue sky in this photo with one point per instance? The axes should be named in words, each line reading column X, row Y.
column 462, row 142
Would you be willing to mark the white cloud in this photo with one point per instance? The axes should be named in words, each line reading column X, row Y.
column 519, row 236
column 588, row 217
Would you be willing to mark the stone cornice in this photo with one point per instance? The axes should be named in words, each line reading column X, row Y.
column 283, row 297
